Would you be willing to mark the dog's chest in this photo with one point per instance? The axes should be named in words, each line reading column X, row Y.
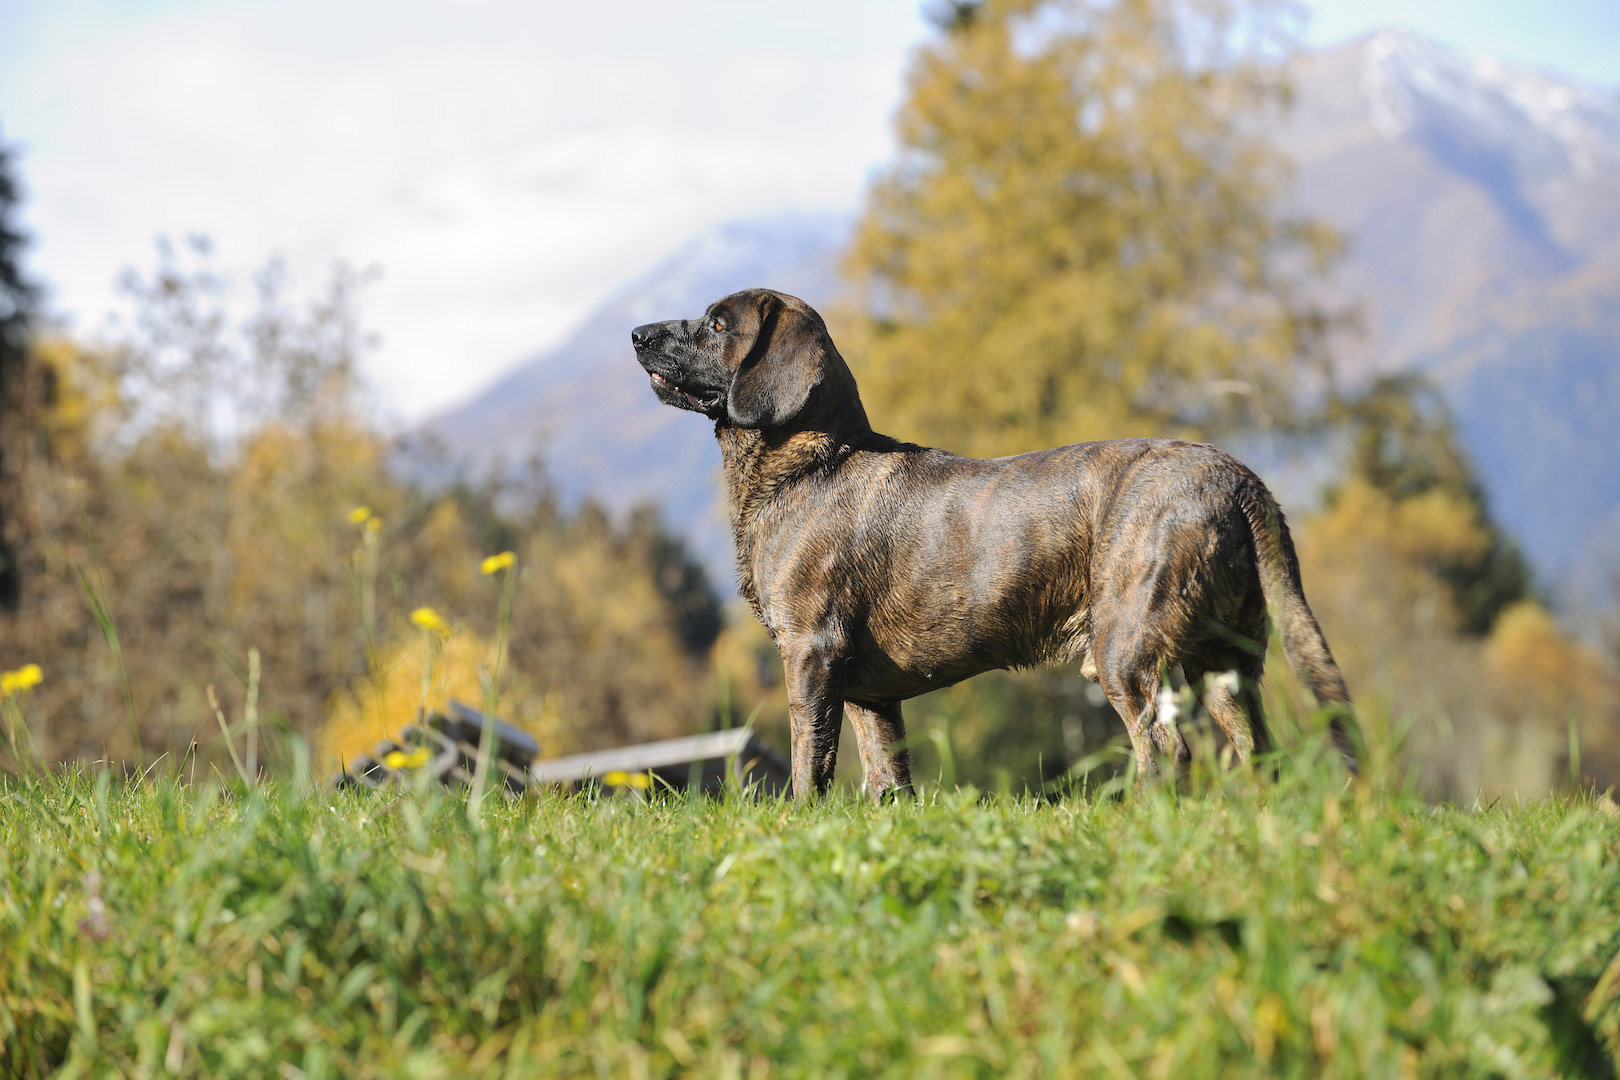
column 780, row 609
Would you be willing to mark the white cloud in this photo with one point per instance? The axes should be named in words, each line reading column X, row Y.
column 505, row 164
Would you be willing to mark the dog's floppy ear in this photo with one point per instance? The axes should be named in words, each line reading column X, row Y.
column 787, row 361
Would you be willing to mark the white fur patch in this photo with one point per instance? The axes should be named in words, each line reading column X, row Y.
column 1169, row 707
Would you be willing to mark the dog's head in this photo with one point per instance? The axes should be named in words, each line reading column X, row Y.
column 752, row 361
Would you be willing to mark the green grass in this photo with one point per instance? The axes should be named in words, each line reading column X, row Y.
column 1248, row 929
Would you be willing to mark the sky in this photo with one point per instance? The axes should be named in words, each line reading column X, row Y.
column 502, row 165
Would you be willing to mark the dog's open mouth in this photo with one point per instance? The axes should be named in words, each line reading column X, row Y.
column 705, row 402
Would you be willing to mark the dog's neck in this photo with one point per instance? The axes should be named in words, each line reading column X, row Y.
column 759, row 466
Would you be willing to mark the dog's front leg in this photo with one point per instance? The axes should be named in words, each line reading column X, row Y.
column 815, row 707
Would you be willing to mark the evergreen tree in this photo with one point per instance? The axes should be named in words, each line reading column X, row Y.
column 17, row 304
column 1404, row 446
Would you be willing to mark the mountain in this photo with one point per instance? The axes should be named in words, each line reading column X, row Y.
column 1482, row 205
column 1460, row 182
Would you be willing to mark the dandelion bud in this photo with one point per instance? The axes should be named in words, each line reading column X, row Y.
column 495, row 563
column 24, row 678
column 428, row 619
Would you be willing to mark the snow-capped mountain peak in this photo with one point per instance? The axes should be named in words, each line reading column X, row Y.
column 1414, row 85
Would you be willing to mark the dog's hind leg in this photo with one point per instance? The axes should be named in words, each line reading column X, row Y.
column 880, row 733
column 1248, row 699
column 1129, row 669
column 1223, row 708
column 1231, row 695
column 1133, row 691
column 1140, row 712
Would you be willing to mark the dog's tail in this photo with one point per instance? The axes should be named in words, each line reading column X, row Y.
column 1291, row 617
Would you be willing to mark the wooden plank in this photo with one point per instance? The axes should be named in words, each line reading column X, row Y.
column 706, row 760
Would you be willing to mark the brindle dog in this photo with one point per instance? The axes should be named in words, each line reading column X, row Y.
column 884, row 570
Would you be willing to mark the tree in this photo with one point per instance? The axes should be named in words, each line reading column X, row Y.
column 1429, row 606
column 210, row 486
column 1404, row 446
column 18, row 298
column 1080, row 236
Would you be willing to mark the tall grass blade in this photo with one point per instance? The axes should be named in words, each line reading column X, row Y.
column 251, row 717
column 225, row 732
column 101, row 611
column 109, row 632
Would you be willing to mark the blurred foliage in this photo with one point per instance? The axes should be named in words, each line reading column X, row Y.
column 1010, row 732
column 1430, row 612
column 1081, row 235
column 192, row 487
column 370, row 709
column 1404, row 446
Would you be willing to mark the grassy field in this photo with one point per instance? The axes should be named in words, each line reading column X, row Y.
column 1301, row 928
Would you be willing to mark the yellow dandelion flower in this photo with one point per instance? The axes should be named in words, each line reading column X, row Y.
column 496, row 563
column 24, row 678
column 360, row 515
column 401, row 759
column 428, row 619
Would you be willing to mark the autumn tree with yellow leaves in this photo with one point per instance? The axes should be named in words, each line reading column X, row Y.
column 1080, row 237
column 194, row 488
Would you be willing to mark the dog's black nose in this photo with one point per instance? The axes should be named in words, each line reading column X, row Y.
column 642, row 334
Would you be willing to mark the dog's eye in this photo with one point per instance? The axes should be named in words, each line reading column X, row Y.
column 718, row 326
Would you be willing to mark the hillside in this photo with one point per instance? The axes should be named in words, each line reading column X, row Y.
column 1482, row 203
